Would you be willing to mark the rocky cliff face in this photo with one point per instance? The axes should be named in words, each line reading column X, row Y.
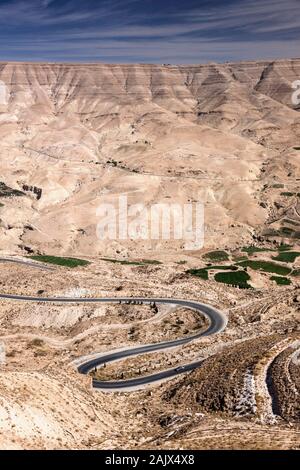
column 217, row 133
column 66, row 83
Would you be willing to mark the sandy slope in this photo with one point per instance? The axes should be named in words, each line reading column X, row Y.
column 86, row 133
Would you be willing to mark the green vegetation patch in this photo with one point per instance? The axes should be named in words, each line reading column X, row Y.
column 202, row 273
column 132, row 263
column 120, row 261
column 234, row 278
column 240, row 258
column 285, row 247
column 266, row 266
column 255, row 249
column 287, row 256
column 223, row 268
column 296, row 272
column 68, row 262
column 278, row 186
column 218, row 255
column 281, row 281
column 287, row 194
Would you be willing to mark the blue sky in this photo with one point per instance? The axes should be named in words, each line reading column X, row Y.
column 148, row 31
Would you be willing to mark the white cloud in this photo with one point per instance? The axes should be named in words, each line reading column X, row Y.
column 110, row 32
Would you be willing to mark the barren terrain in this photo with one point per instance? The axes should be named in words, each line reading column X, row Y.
column 75, row 136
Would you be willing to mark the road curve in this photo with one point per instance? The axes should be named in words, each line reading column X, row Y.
column 217, row 323
column 27, row 263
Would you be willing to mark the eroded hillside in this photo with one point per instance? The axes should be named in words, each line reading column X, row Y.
column 83, row 134
column 73, row 137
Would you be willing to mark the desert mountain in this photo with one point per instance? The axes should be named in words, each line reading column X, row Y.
column 74, row 136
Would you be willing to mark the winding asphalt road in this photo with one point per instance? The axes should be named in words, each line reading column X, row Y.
column 217, row 323
column 27, row 263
